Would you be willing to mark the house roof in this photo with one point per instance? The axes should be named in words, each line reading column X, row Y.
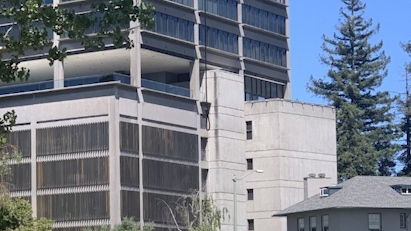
column 358, row 192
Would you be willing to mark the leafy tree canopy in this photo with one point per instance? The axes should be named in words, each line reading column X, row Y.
column 16, row 215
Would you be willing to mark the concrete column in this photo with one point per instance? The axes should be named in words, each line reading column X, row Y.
column 287, row 93
column 140, row 153
column 58, row 65
column 33, row 163
column 226, row 144
column 114, row 161
column 241, row 37
column 135, row 52
column 195, row 65
column 195, row 79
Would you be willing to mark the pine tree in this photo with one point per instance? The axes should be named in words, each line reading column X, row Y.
column 365, row 131
column 405, row 110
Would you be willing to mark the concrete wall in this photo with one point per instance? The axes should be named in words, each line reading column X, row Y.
column 290, row 140
column 226, row 143
column 351, row 219
column 110, row 103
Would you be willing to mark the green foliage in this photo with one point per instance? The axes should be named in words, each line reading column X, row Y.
column 200, row 215
column 405, row 109
column 16, row 215
column 365, row 129
column 127, row 224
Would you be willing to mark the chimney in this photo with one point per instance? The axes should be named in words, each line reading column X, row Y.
column 312, row 184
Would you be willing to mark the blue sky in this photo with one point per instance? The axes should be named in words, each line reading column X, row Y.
column 309, row 20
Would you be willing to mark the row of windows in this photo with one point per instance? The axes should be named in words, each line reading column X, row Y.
column 374, row 222
column 174, row 27
column 189, row 3
column 313, row 223
column 219, row 39
column 265, row 52
column 263, row 19
column 224, row 8
column 257, row 89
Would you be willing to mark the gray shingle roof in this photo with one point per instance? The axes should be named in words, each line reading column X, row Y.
column 358, row 192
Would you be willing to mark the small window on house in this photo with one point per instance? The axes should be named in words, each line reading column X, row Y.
column 403, row 221
column 249, row 130
column 300, row 224
column 313, row 223
column 249, row 164
column 250, row 194
column 374, row 222
column 250, row 224
column 406, row 190
column 324, row 222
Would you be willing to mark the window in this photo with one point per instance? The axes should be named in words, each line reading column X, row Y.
column 185, row 2
column 249, row 164
column 219, row 39
column 403, row 221
column 249, row 130
column 300, row 224
column 260, row 89
column 374, row 222
column 250, row 194
column 324, row 222
column 265, row 52
column 313, row 223
column 406, row 190
column 263, row 19
column 224, row 8
column 174, row 27
column 250, row 224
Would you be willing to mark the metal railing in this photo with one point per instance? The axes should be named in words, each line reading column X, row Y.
column 176, row 90
column 86, row 80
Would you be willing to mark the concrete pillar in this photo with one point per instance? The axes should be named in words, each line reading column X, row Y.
column 195, row 65
column 195, row 79
column 58, row 67
column 140, row 101
column 114, row 161
column 135, row 52
column 287, row 93
column 33, row 163
column 226, row 144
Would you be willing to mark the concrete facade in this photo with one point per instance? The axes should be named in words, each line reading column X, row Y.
column 289, row 141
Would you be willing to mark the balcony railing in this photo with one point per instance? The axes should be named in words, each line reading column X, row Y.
column 86, row 80
column 176, row 90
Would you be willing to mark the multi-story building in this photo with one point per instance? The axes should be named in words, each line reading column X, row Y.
column 119, row 132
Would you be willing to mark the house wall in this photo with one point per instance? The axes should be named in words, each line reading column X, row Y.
column 351, row 219
column 290, row 140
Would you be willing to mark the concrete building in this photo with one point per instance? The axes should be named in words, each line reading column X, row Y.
column 290, row 141
column 361, row 203
column 125, row 130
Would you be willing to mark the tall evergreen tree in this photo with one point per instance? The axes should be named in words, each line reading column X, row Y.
column 365, row 132
column 405, row 110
